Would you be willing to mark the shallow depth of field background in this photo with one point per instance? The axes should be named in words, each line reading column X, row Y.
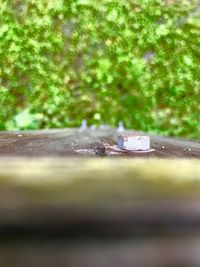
column 62, row 61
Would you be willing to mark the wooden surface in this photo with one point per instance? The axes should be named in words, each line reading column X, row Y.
column 73, row 142
column 105, row 212
column 68, row 199
column 99, row 192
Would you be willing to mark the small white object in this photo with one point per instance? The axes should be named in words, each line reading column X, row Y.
column 120, row 127
column 132, row 142
column 83, row 125
column 19, row 135
column 103, row 127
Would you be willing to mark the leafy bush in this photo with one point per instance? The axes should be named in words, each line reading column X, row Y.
column 109, row 60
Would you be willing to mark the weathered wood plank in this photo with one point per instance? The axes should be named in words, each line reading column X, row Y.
column 73, row 142
column 162, row 177
column 111, row 196
column 153, row 252
column 61, row 205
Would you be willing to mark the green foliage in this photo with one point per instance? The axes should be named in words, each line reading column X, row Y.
column 109, row 60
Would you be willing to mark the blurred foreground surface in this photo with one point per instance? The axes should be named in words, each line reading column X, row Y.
column 62, row 205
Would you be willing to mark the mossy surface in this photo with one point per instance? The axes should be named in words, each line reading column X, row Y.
column 104, row 61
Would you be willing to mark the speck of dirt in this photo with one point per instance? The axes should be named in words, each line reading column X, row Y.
column 100, row 150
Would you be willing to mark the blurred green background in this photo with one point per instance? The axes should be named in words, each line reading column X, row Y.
column 62, row 61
